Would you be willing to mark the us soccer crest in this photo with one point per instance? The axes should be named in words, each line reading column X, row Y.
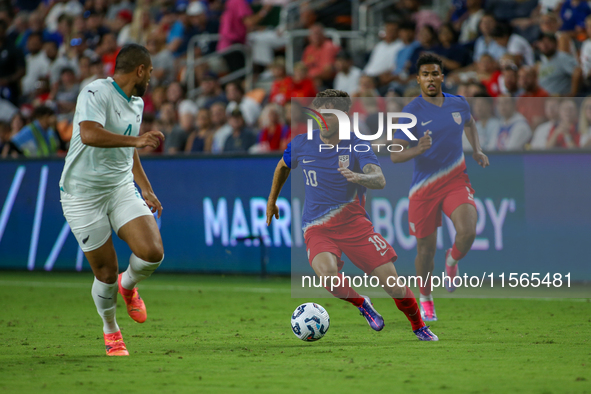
column 344, row 161
column 457, row 117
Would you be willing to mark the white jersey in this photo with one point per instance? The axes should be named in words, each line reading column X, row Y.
column 91, row 171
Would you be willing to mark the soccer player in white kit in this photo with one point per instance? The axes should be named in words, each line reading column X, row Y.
column 98, row 194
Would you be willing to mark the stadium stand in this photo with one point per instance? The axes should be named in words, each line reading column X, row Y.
column 225, row 71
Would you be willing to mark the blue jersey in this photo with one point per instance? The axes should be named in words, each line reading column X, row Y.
column 444, row 161
column 329, row 196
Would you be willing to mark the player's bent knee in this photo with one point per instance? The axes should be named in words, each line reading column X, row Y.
column 152, row 254
column 108, row 276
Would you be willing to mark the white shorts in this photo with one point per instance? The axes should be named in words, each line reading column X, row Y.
column 92, row 218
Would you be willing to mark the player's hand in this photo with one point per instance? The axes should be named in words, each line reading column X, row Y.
column 153, row 202
column 272, row 210
column 425, row 142
column 481, row 159
column 350, row 175
column 151, row 138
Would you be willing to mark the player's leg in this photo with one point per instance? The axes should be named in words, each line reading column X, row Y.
column 143, row 237
column 134, row 223
column 424, row 264
column 424, row 217
column 405, row 300
column 326, row 267
column 103, row 262
column 90, row 225
column 460, row 207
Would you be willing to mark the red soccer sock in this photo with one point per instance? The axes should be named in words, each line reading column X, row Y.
column 456, row 254
column 426, row 288
column 408, row 305
column 345, row 292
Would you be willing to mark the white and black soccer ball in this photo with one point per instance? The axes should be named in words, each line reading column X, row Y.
column 310, row 322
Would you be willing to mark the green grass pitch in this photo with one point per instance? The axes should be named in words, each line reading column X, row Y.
column 215, row 334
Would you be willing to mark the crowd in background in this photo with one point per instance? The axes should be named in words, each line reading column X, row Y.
column 527, row 64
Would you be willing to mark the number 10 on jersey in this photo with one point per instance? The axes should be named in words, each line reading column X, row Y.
column 311, row 178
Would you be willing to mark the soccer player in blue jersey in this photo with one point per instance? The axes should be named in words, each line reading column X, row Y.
column 334, row 219
column 440, row 181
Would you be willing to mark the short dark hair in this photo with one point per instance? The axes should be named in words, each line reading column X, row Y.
column 130, row 57
column 407, row 25
column 429, row 58
column 334, row 98
column 35, row 34
column 41, row 111
column 501, row 30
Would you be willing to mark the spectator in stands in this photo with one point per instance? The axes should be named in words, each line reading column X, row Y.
column 585, row 124
column 411, row 10
column 275, row 133
column 108, row 50
column 235, row 21
column 95, row 28
column 220, row 126
column 38, row 138
column 400, row 76
column 241, row 138
column 192, row 23
column 282, row 87
column 319, row 56
column 166, row 119
column 162, row 61
column 541, row 133
column 508, row 81
column 67, row 92
column 347, row 78
column 5, row 136
column 42, row 92
column 487, row 124
column 514, row 131
column 549, row 23
column 486, row 43
column 453, row 55
column 513, row 44
column 469, row 24
column 7, row 111
column 428, row 41
column 506, row 11
column 177, row 140
column 585, row 59
column 303, row 86
column 201, row 139
column 37, row 63
column 530, row 101
column 12, row 67
column 383, row 55
column 97, row 71
column 573, row 14
column 250, row 109
column 565, row 134
column 558, row 71
column 211, row 91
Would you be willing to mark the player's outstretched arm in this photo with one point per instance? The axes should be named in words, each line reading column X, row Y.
column 410, row 153
column 140, row 177
column 472, row 135
column 372, row 176
column 279, row 178
column 94, row 134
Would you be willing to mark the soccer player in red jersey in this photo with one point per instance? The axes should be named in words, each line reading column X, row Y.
column 440, row 182
column 334, row 220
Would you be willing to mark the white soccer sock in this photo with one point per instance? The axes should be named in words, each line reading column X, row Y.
column 450, row 261
column 137, row 271
column 105, row 299
column 424, row 298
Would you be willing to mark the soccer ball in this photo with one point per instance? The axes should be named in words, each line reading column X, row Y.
column 310, row 322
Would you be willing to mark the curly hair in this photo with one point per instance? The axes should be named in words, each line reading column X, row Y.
column 333, row 98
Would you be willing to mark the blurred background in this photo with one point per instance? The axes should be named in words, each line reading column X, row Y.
column 224, row 76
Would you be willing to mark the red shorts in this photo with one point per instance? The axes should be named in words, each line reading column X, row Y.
column 424, row 215
column 357, row 239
